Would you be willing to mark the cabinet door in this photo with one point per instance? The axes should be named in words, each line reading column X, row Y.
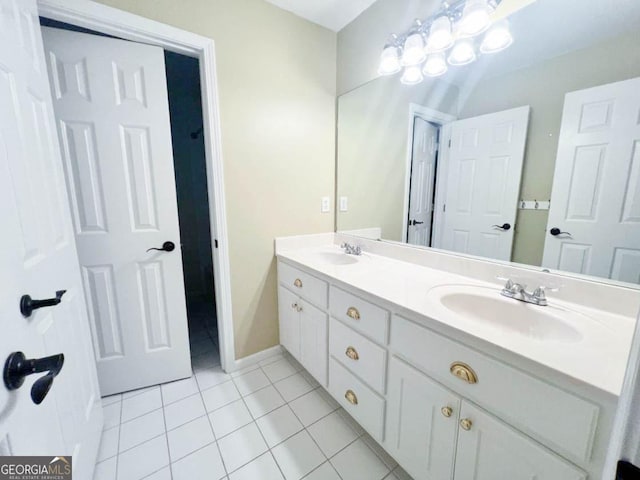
column 288, row 304
column 313, row 341
column 422, row 422
column 490, row 450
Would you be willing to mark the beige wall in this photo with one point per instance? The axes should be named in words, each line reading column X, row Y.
column 543, row 86
column 373, row 126
column 277, row 77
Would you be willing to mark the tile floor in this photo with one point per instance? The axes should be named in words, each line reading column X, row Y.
column 270, row 421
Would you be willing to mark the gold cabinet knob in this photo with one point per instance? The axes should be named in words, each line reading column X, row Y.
column 352, row 353
column 351, row 397
column 466, row 424
column 298, row 283
column 352, row 312
column 294, row 306
column 463, row 372
column 447, row 411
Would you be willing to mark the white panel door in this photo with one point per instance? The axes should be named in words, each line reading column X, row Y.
column 596, row 186
column 313, row 341
column 38, row 257
column 423, row 171
column 483, row 183
column 491, row 450
column 422, row 423
column 110, row 100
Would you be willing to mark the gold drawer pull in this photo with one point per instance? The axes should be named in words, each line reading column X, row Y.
column 464, row 372
column 298, row 283
column 351, row 397
column 352, row 353
column 466, row 424
column 447, row 411
column 352, row 312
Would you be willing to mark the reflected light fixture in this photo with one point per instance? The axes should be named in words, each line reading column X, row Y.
column 454, row 35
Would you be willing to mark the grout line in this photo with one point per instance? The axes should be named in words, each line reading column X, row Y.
column 166, row 433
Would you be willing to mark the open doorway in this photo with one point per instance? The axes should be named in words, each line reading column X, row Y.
column 132, row 141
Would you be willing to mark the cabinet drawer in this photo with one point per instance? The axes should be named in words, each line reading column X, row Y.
column 363, row 357
column 360, row 315
column 561, row 420
column 305, row 285
column 366, row 406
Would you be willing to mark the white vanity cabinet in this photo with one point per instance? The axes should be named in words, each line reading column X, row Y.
column 442, row 409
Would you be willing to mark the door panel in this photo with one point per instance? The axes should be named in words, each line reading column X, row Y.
column 313, row 341
column 112, row 105
column 37, row 257
column 483, row 183
column 289, row 321
column 491, row 450
column 418, row 435
column 596, row 194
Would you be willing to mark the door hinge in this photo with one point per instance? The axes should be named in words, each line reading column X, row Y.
column 215, row 242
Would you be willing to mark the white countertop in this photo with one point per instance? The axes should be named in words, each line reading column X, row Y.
column 597, row 357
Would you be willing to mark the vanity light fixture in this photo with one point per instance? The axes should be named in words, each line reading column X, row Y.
column 454, row 35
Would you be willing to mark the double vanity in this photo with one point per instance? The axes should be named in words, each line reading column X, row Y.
column 454, row 379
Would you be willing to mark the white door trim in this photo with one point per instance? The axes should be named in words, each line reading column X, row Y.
column 430, row 115
column 101, row 18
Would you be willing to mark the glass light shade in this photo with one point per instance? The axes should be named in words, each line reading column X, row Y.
column 435, row 65
column 462, row 53
column 440, row 36
column 412, row 76
column 497, row 38
column 389, row 61
column 476, row 18
column 413, row 52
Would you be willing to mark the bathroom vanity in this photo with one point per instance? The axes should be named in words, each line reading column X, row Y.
column 454, row 380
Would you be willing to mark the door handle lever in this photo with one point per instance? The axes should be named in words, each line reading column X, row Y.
column 166, row 247
column 556, row 231
column 504, row 226
column 17, row 367
column 28, row 304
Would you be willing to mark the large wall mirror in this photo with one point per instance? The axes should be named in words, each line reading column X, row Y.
column 530, row 156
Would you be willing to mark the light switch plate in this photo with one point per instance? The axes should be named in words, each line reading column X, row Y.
column 326, row 204
column 344, row 204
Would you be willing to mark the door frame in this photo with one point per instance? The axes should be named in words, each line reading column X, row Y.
column 432, row 116
column 128, row 26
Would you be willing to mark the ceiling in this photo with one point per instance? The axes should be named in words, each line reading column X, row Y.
column 332, row 14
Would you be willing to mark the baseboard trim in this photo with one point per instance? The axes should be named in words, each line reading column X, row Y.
column 245, row 362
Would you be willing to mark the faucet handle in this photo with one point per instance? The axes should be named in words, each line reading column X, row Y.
column 540, row 292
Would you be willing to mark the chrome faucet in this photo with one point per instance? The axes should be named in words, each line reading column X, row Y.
column 518, row 291
column 351, row 249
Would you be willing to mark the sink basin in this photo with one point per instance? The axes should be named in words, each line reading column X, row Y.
column 336, row 258
column 485, row 306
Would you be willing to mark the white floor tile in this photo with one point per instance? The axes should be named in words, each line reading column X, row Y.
column 210, row 377
column 106, row 470
column 323, row 472
column 164, row 474
column 332, row 434
column 140, row 404
column 358, row 462
column 263, row 401
column 204, row 463
column 174, row 391
column 279, row 425
column 293, row 387
column 241, row 446
column 298, row 456
column 273, row 358
column 220, row 395
column 112, row 415
column 189, row 437
column 230, row 418
column 311, row 407
column 133, row 393
column 262, row 468
column 111, row 399
column 251, row 382
column 183, row 411
column 108, row 444
column 143, row 460
column 279, row 370
column 141, row 429
column 244, row 370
